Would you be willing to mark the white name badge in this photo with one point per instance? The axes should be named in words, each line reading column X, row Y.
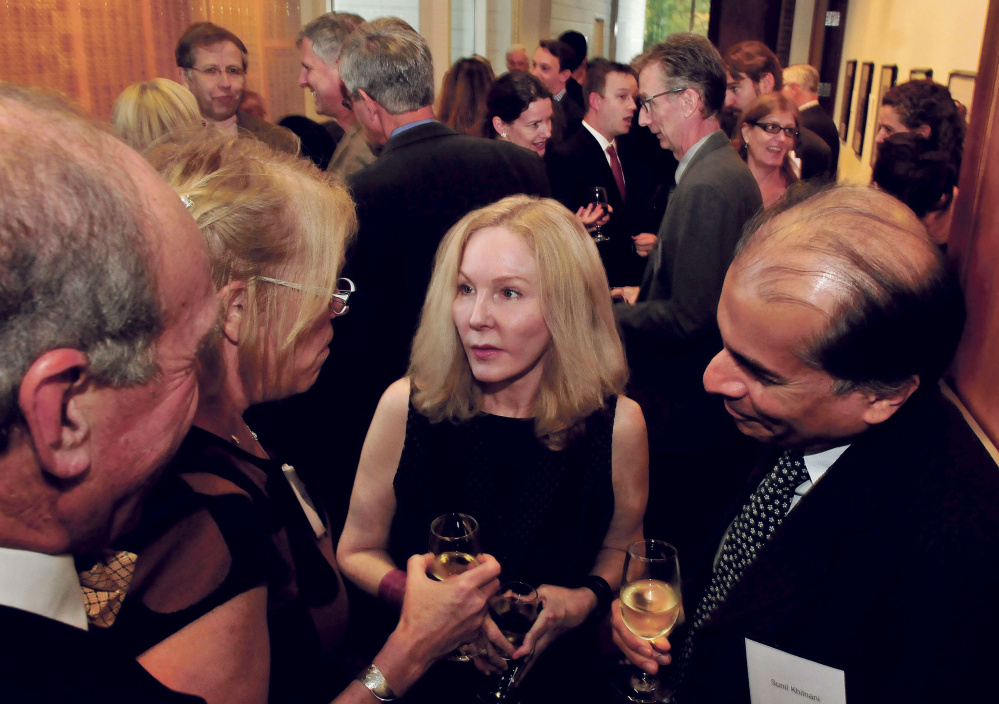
column 776, row 677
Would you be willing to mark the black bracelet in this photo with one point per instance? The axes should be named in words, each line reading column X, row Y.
column 605, row 595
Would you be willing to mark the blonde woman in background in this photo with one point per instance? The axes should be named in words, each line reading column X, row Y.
column 146, row 111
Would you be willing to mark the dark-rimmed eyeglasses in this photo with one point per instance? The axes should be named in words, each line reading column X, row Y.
column 774, row 128
column 644, row 103
column 338, row 301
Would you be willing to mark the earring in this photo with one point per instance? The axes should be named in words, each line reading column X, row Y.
column 503, row 135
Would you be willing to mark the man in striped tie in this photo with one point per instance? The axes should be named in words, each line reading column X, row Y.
column 866, row 540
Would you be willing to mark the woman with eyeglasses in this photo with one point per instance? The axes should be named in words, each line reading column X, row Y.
column 512, row 411
column 765, row 137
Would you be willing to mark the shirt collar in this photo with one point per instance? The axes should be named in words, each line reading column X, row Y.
column 685, row 161
column 410, row 125
column 558, row 96
column 601, row 140
column 45, row 585
column 809, row 104
column 817, row 464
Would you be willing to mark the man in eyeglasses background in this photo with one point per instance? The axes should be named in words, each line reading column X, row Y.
column 669, row 321
column 211, row 62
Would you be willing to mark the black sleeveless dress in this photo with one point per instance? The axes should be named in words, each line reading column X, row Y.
column 542, row 513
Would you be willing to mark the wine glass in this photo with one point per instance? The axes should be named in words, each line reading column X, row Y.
column 514, row 609
column 598, row 196
column 454, row 541
column 650, row 604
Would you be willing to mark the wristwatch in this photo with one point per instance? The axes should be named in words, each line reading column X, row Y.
column 375, row 681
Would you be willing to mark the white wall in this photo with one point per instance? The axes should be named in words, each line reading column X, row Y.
column 944, row 36
column 499, row 32
column 630, row 29
column 579, row 15
column 408, row 10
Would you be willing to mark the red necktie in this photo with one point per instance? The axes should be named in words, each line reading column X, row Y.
column 615, row 165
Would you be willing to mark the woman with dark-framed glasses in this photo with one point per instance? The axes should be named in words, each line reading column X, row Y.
column 765, row 139
column 235, row 593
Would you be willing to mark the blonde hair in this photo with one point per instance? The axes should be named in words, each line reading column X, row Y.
column 262, row 213
column 585, row 363
column 146, row 111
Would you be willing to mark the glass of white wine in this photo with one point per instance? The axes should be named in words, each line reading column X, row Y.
column 650, row 604
column 514, row 609
column 454, row 541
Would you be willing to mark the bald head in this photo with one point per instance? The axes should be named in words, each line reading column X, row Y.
column 866, row 263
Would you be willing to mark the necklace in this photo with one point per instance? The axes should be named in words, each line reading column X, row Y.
column 252, row 434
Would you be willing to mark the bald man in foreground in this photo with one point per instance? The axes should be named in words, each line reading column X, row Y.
column 862, row 559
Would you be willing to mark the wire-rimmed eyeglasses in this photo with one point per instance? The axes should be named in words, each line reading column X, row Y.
column 644, row 103
column 338, row 301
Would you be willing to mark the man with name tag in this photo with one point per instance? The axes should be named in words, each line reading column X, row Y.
column 864, row 545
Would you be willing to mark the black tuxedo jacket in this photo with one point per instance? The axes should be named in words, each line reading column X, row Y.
column 816, row 158
column 577, row 165
column 48, row 662
column 887, row 569
column 814, row 118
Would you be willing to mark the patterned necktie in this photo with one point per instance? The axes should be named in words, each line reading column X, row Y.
column 615, row 165
column 749, row 534
column 105, row 584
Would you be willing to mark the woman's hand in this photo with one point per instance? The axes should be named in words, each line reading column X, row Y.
column 561, row 610
column 648, row 655
column 594, row 215
column 498, row 649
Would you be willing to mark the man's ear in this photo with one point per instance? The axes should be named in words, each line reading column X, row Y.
column 233, row 297
column 767, row 83
column 594, row 101
column 690, row 99
column 565, row 74
column 924, row 130
column 57, row 422
column 881, row 407
column 182, row 77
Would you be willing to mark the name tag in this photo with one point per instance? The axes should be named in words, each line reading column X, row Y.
column 776, row 677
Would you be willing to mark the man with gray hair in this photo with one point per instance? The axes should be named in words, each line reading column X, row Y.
column 319, row 45
column 669, row 322
column 860, row 561
column 801, row 85
column 105, row 301
column 426, row 178
column 516, row 58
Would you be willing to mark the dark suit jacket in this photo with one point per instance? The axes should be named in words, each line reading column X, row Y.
column 815, row 119
column 816, row 158
column 887, row 569
column 278, row 138
column 425, row 180
column 567, row 118
column 577, row 165
column 575, row 91
column 48, row 662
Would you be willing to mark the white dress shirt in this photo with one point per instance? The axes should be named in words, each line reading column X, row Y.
column 45, row 585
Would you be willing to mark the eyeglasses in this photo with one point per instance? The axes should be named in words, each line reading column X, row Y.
column 644, row 103
column 774, row 128
column 215, row 73
column 338, row 301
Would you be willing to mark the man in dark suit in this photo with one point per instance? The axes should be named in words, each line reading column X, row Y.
column 801, row 85
column 105, row 300
column 669, row 324
column 426, row 178
column 876, row 552
column 551, row 64
column 578, row 67
column 754, row 70
column 595, row 157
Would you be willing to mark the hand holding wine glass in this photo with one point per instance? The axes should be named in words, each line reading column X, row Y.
column 454, row 541
column 649, row 605
column 598, row 196
column 512, row 610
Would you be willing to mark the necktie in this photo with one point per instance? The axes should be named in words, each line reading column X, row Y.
column 105, row 584
column 749, row 534
column 615, row 165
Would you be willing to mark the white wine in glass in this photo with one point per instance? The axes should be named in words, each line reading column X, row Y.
column 598, row 196
column 454, row 541
column 650, row 605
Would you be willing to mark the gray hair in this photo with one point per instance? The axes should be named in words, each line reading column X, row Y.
column 75, row 264
column 804, row 75
column 328, row 33
column 392, row 65
column 689, row 60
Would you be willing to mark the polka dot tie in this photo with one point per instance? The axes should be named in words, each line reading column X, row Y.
column 749, row 534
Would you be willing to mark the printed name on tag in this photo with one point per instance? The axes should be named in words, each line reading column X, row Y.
column 776, row 677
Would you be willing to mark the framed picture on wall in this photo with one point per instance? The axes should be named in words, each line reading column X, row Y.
column 863, row 98
column 844, row 109
column 961, row 85
column 918, row 74
column 889, row 74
